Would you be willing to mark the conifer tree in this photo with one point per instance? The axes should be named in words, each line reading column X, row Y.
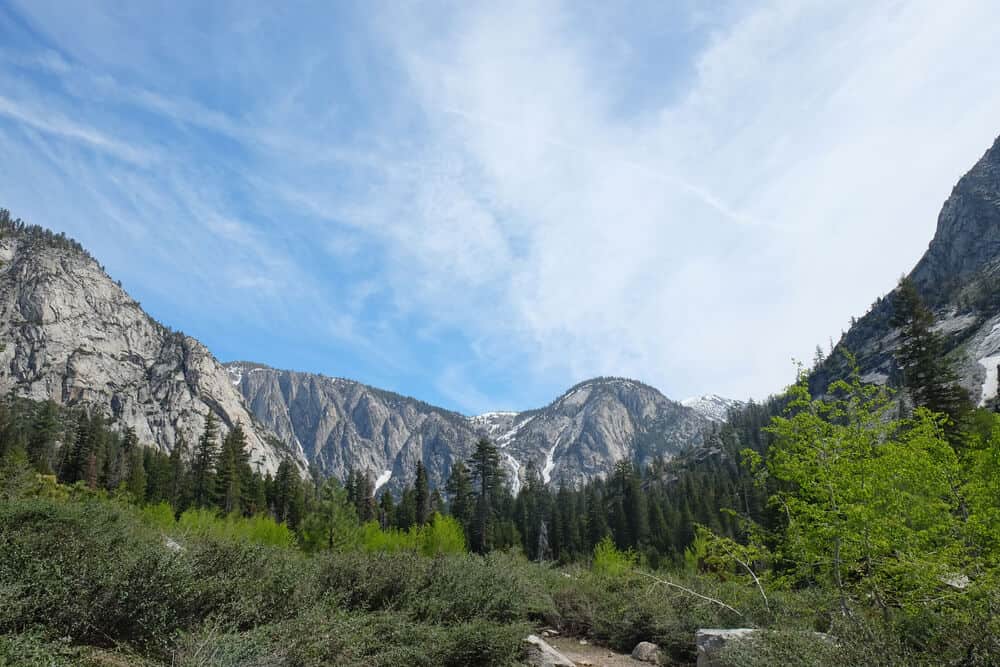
column 488, row 480
column 460, row 495
column 387, row 511
column 233, row 471
column 406, row 510
column 135, row 483
column 178, row 477
column 203, row 468
column 421, row 495
column 928, row 376
column 45, row 432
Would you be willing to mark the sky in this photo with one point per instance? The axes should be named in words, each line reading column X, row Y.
column 481, row 204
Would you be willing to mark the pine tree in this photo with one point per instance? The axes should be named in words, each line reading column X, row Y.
column 488, row 480
column 289, row 501
column 597, row 518
column 928, row 376
column 406, row 511
column 460, row 495
column 135, row 483
column 387, row 511
column 421, row 495
column 178, row 477
column 45, row 431
column 234, row 472
column 203, row 468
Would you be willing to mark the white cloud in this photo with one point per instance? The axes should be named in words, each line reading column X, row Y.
column 53, row 123
column 798, row 174
column 517, row 172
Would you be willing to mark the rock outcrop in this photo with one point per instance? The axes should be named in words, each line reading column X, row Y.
column 341, row 424
column 958, row 277
column 71, row 334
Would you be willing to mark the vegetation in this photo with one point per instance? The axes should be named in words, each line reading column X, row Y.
column 853, row 513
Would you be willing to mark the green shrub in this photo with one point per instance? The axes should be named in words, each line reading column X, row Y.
column 257, row 529
column 610, row 562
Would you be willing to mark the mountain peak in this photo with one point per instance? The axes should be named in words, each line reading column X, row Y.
column 712, row 406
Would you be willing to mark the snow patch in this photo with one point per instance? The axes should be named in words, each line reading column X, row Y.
column 515, row 479
column 550, row 463
column 382, row 479
column 991, row 381
column 711, row 406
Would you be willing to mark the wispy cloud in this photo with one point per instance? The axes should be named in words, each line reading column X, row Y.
column 54, row 123
column 495, row 200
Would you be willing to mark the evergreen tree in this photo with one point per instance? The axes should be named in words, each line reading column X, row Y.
column 421, row 495
column 203, row 468
column 178, row 475
column 387, row 511
column 928, row 376
column 460, row 496
column 135, row 483
column 406, row 511
column 233, row 471
column 487, row 480
column 45, row 431
column 289, row 498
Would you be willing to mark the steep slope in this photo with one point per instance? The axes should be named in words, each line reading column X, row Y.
column 343, row 424
column 597, row 423
column 959, row 277
column 71, row 334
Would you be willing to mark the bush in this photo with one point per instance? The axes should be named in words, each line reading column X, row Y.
column 257, row 529
column 610, row 562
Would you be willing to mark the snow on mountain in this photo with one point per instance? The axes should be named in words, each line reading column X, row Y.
column 712, row 406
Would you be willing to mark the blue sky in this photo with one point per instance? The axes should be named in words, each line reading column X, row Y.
column 480, row 204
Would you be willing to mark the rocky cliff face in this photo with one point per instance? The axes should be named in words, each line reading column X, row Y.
column 597, row 423
column 958, row 276
column 71, row 334
column 343, row 424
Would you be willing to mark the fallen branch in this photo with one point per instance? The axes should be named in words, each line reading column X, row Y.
column 690, row 592
column 767, row 605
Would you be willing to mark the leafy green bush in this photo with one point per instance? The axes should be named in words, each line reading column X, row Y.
column 610, row 562
column 257, row 529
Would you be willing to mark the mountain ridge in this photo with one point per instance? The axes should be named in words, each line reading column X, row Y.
column 958, row 276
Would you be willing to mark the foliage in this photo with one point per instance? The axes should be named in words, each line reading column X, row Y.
column 869, row 499
column 610, row 562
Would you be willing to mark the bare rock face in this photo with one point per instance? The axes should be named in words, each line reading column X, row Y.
column 341, row 424
column 72, row 335
column 958, row 277
column 583, row 433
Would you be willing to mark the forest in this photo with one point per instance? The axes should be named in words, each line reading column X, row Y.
column 867, row 513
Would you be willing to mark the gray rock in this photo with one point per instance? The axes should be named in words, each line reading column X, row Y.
column 541, row 654
column 711, row 642
column 72, row 335
column 957, row 278
column 646, row 652
column 342, row 424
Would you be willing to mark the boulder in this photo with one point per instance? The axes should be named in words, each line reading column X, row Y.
column 646, row 652
column 541, row 654
column 710, row 643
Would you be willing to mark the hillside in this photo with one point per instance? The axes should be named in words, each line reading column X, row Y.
column 73, row 335
column 959, row 277
column 343, row 425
